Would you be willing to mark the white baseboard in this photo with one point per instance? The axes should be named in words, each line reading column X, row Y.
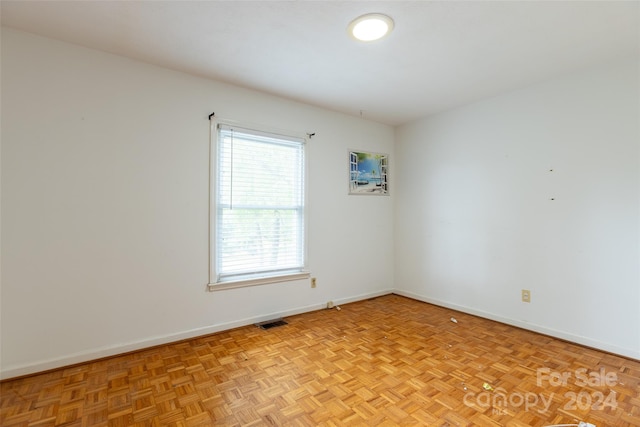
column 99, row 353
column 108, row 351
column 626, row 352
column 362, row 297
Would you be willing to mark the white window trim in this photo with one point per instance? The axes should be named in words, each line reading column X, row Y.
column 215, row 285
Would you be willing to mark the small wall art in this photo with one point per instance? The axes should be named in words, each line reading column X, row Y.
column 368, row 173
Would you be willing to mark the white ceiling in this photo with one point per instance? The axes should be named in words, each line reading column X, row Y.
column 441, row 54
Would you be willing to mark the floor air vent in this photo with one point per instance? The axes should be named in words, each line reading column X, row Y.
column 271, row 324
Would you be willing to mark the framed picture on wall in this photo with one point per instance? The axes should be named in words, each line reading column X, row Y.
column 368, row 173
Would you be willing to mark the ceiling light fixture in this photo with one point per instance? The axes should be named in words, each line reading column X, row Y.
column 370, row 27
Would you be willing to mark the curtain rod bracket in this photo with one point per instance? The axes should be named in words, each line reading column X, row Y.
column 311, row 135
column 211, row 115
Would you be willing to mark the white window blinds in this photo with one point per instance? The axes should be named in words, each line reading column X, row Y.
column 260, row 196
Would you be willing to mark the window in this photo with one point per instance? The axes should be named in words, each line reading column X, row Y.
column 259, row 208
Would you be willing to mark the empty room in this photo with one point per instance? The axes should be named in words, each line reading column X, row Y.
column 320, row 213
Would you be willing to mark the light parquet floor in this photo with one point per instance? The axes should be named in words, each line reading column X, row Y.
column 388, row 361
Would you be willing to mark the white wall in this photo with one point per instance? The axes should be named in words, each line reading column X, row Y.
column 475, row 222
column 105, row 206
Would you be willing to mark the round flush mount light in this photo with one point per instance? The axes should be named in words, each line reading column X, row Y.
column 370, row 27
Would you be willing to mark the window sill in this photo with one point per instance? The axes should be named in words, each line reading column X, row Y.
column 221, row 286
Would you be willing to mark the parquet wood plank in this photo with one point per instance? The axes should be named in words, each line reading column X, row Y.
column 389, row 361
